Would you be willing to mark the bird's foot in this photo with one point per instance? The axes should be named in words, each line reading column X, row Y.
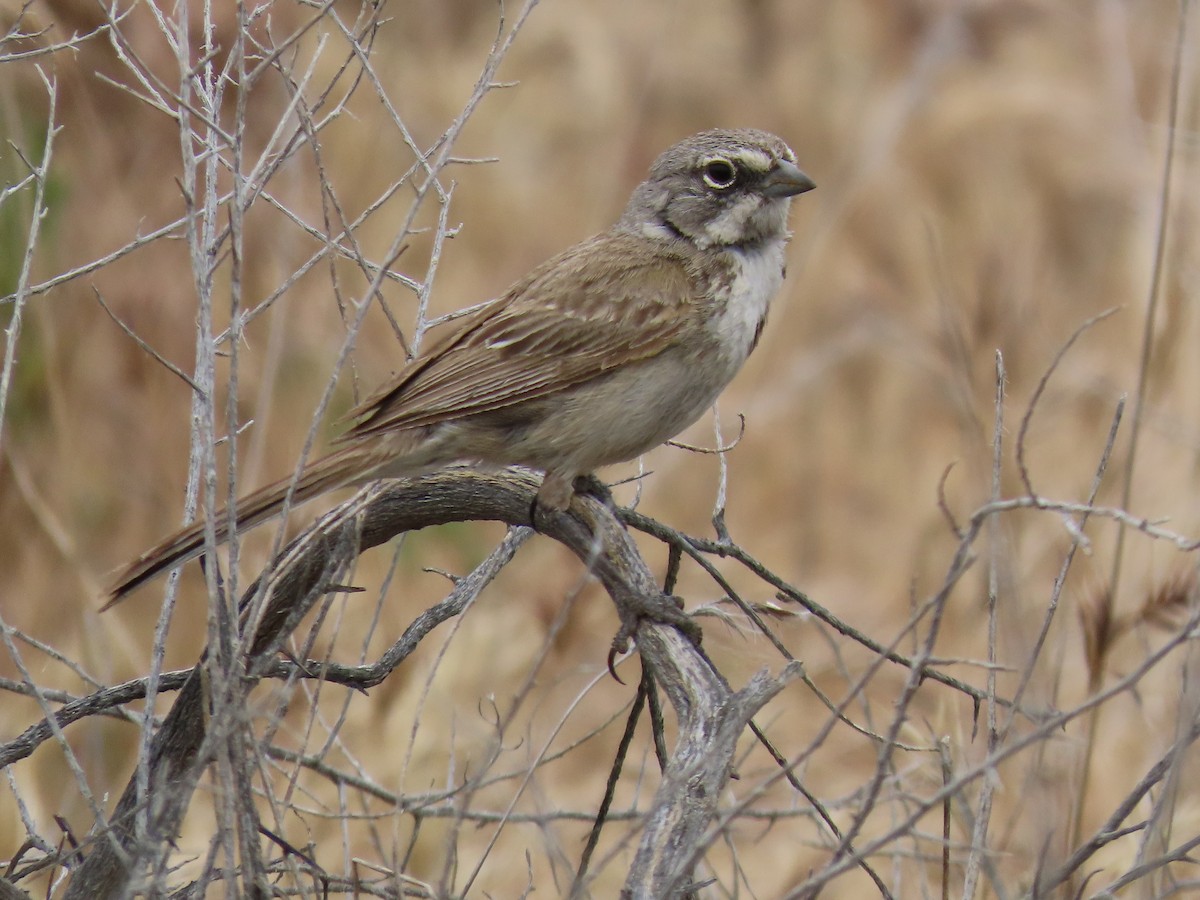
column 591, row 486
column 553, row 496
column 662, row 609
column 557, row 491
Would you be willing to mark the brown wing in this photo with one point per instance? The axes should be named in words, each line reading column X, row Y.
column 602, row 304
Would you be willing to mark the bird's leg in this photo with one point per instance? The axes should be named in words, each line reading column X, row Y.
column 661, row 608
column 558, row 490
column 555, row 493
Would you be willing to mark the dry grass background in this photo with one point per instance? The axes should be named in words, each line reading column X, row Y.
column 989, row 178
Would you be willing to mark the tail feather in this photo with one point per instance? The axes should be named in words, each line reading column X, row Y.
column 328, row 473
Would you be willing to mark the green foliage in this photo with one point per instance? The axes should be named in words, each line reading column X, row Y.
column 28, row 131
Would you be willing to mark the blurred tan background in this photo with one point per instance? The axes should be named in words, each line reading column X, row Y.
column 988, row 179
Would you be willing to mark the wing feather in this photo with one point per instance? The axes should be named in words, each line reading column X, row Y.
column 600, row 305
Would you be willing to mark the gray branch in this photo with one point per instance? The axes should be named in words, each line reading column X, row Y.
column 711, row 715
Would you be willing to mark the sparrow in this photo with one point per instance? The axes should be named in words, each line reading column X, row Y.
column 595, row 357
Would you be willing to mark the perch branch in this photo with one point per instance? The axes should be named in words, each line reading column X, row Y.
column 711, row 715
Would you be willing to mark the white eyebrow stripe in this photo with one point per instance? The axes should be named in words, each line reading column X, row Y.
column 752, row 159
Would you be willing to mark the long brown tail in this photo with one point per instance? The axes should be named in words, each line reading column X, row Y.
column 339, row 468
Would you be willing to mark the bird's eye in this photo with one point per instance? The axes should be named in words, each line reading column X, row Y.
column 719, row 174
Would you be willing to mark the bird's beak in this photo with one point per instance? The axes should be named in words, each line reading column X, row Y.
column 785, row 180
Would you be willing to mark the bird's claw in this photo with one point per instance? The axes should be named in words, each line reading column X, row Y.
column 591, row 486
column 661, row 608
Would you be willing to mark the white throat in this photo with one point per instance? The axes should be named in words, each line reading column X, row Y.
column 758, row 275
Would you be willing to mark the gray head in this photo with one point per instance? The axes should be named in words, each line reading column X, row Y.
column 719, row 188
